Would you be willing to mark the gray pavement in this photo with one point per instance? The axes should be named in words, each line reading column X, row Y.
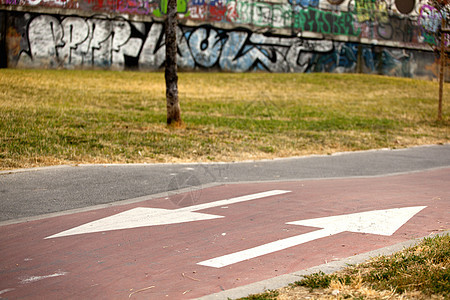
column 33, row 192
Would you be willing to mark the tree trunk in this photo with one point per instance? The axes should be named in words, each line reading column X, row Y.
column 3, row 27
column 173, row 105
column 441, row 70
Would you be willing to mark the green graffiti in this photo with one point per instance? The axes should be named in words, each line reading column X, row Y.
column 429, row 38
column 182, row 8
column 260, row 14
column 325, row 22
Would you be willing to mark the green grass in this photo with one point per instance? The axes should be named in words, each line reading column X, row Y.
column 418, row 272
column 54, row 117
column 269, row 295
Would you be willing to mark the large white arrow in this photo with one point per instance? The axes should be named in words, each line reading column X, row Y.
column 383, row 222
column 146, row 216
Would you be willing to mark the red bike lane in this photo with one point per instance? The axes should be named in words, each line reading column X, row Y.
column 111, row 254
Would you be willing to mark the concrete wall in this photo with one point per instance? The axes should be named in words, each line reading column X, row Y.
column 368, row 36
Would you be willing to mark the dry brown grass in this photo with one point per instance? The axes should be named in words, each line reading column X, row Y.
column 420, row 272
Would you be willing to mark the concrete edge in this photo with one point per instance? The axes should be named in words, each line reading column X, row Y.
column 328, row 268
column 106, row 205
column 13, row 171
column 400, row 173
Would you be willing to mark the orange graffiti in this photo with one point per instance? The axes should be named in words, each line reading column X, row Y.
column 434, row 68
column 13, row 43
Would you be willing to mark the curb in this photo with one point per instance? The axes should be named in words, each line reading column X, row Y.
column 74, row 165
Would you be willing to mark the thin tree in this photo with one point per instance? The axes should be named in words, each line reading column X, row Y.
column 444, row 9
column 434, row 23
column 171, row 76
column 442, row 66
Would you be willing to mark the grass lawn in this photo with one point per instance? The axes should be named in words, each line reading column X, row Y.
column 52, row 117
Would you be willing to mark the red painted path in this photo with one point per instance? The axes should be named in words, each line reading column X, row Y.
column 114, row 264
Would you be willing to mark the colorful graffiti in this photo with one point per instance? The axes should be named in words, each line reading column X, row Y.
column 227, row 35
column 99, row 42
column 372, row 19
column 430, row 20
column 134, row 7
column 371, row 10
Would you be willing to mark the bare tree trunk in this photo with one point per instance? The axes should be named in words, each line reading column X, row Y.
column 441, row 70
column 173, row 105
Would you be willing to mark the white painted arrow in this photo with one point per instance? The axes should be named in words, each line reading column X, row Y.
column 383, row 222
column 145, row 216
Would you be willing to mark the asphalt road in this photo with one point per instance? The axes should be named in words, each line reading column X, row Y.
column 36, row 192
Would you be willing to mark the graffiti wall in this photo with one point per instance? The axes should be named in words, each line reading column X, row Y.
column 374, row 19
column 371, row 36
column 98, row 42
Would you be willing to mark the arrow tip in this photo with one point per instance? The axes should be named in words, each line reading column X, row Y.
column 382, row 222
column 137, row 217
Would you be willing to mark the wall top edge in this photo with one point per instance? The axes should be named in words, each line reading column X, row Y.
column 220, row 25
